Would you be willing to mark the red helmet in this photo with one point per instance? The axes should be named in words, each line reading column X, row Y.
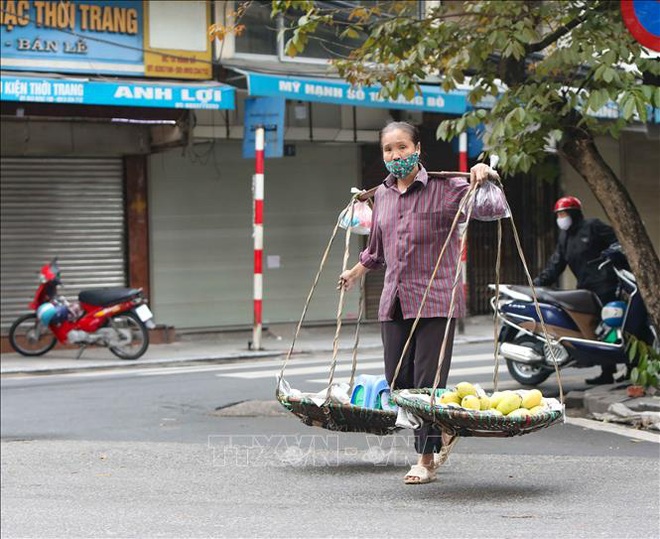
column 568, row 203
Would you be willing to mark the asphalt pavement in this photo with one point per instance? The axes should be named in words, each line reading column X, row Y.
column 608, row 402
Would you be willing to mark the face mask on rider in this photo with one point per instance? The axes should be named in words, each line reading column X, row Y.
column 564, row 223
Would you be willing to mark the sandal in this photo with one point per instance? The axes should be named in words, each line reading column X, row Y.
column 419, row 475
column 441, row 457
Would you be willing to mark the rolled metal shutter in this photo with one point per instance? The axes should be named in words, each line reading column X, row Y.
column 64, row 207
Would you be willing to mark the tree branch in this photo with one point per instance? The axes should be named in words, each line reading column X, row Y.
column 554, row 36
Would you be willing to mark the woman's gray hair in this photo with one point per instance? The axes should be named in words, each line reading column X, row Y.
column 412, row 131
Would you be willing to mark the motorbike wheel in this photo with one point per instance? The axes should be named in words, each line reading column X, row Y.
column 29, row 338
column 527, row 375
column 139, row 336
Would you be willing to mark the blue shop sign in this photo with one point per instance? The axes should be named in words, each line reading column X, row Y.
column 95, row 36
column 267, row 112
column 338, row 92
column 211, row 95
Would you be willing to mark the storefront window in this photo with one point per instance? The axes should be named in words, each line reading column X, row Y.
column 261, row 32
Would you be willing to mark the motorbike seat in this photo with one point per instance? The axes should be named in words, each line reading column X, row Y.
column 581, row 301
column 108, row 296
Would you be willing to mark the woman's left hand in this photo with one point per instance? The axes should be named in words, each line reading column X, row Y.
column 481, row 172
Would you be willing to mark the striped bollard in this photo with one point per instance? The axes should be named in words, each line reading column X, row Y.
column 463, row 167
column 258, row 195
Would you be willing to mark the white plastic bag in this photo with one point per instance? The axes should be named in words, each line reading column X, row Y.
column 490, row 204
column 361, row 221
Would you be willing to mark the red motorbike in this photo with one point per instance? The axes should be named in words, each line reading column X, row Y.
column 118, row 318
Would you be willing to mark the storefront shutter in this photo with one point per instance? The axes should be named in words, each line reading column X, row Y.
column 201, row 233
column 64, row 207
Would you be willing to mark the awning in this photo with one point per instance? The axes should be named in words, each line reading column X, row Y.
column 118, row 92
column 339, row 92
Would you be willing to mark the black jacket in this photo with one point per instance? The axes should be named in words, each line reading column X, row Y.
column 580, row 247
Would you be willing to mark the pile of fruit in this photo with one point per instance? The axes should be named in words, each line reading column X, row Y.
column 519, row 403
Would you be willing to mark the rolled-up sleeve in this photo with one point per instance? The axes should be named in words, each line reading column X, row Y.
column 373, row 256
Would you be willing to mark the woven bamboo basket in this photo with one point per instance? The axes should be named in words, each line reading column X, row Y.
column 463, row 422
column 340, row 417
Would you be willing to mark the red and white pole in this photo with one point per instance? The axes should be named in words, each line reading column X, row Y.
column 258, row 195
column 463, row 167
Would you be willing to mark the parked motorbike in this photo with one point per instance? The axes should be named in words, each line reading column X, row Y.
column 116, row 317
column 582, row 332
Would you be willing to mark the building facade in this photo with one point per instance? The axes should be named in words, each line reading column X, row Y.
column 129, row 161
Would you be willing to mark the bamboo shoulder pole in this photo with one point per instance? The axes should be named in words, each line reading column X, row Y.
column 442, row 174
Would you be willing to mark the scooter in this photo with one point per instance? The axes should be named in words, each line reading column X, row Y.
column 116, row 317
column 581, row 332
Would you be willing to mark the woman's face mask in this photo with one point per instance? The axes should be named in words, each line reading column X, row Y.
column 402, row 167
column 565, row 222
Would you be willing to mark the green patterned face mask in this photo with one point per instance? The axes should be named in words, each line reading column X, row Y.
column 402, row 167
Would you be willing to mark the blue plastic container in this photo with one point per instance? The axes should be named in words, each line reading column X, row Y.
column 371, row 391
column 381, row 396
column 362, row 390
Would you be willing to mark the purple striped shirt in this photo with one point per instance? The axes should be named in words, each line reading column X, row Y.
column 407, row 233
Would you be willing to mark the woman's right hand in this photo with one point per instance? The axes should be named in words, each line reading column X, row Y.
column 347, row 279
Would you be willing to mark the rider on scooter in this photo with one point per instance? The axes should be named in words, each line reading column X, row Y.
column 579, row 246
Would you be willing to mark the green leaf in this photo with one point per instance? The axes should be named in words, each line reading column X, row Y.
column 444, row 130
column 632, row 351
column 598, row 74
column 409, row 93
column 350, row 32
column 290, row 48
column 640, row 105
column 634, row 375
column 643, row 350
column 647, row 92
column 628, row 107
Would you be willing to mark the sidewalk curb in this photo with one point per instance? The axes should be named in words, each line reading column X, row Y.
column 614, row 428
column 195, row 360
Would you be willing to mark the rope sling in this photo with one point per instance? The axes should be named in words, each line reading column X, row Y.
column 345, row 417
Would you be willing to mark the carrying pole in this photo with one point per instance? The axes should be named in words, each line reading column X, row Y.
column 258, row 195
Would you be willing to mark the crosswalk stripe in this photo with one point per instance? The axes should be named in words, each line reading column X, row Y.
column 362, row 366
column 503, row 384
column 454, row 372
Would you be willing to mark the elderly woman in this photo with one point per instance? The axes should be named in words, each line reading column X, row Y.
column 410, row 223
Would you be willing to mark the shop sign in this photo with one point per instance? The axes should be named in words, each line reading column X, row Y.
column 432, row 99
column 72, row 37
column 120, row 94
column 267, row 112
column 175, row 40
column 117, row 37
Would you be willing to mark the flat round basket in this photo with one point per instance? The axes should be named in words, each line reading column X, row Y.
column 341, row 417
column 473, row 423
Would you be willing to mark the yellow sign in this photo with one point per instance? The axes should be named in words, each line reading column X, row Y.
column 177, row 63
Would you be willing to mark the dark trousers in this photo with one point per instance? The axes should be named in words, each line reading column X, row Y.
column 420, row 364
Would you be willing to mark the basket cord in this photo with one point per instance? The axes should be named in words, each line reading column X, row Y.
column 461, row 206
column 340, row 304
column 536, row 305
column 454, row 287
column 357, row 335
column 324, row 258
column 496, row 340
